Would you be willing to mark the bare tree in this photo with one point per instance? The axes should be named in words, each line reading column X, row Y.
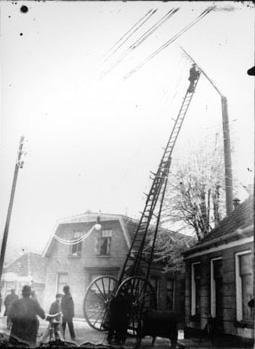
column 169, row 248
column 195, row 196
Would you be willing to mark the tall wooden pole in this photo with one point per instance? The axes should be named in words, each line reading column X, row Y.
column 227, row 156
column 18, row 165
column 226, row 141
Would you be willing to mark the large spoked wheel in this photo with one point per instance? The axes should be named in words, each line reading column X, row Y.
column 96, row 301
column 142, row 297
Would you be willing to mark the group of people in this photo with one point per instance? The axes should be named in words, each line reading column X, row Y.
column 22, row 316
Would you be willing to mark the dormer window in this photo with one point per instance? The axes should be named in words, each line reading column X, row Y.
column 76, row 248
column 103, row 243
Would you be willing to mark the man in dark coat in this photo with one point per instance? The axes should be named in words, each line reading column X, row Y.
column 193, row 76
column 119, row 312
column 9, row 299
column 23, row 314
column 67, row 307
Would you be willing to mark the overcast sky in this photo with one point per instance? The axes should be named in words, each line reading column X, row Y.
column 91, row 138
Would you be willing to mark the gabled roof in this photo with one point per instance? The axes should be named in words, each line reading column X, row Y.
column 231, row 227
column 241, row 217
column 88, row 219
column 28, row 265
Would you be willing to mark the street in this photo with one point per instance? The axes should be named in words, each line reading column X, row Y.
column 85, row 334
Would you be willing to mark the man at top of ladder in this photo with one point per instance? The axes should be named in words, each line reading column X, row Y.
column 193, row 76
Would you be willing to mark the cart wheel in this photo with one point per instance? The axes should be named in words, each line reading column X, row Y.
column 96, row 301
column 142, row 297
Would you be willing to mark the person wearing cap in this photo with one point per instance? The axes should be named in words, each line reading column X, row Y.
column 23, row 314
column 9, row 299
column 67, row 307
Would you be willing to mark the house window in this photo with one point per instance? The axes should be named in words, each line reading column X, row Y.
column 216, row 287
column 195, row 289
column 62, row 280
column 244, row 285
column 170, row 294
column 76, row 248
column 103, row 243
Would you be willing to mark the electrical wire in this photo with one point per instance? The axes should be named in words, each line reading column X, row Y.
column 170, row 41
column 142, row 38
column 129, row 33
column 154, row 27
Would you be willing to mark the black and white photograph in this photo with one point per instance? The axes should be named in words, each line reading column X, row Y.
column 127, row 174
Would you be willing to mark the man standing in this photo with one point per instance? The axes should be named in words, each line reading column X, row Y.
column 9, row 299
column 67, row 307
column 23, row 314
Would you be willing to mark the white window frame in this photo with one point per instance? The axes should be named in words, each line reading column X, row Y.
column 77, row 235
column 239, row 305
column 213, row 288
column 193, row 289
column 105, row 234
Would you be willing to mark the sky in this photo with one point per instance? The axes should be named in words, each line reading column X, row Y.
column 93, row 137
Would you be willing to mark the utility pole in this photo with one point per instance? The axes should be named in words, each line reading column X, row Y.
column 226, row 141
column 18, row 165
column 227, row 156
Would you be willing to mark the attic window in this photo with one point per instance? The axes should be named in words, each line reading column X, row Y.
column 76, row 248
column 103, row 243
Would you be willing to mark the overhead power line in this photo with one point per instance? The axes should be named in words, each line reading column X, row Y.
column 143, row 37
column 129, row 33
column 154, row 27
column 170, row 41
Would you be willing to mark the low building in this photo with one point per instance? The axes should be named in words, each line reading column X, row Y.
column 100, row 252
column 219, row 276
column 28, row 269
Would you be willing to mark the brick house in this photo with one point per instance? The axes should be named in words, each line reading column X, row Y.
column 219, row 276
column 26, row 269
column 102, row 252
